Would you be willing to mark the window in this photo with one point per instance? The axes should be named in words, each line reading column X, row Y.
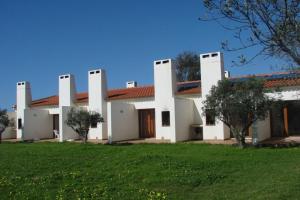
column 165, row 115
column 94, row 125
column 210, row 119
column 19, row 123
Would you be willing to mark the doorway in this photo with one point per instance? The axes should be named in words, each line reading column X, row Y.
column 147, row 123
column 285, row 119
column 55, row 124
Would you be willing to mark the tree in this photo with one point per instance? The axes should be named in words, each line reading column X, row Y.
column 81, row 120
column 271, row 25
column 238, row 104
column 4, row 122
column 187, row 66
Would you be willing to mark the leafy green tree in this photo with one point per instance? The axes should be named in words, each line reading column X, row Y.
column 273, row 26
column 187, row 66
column 238, row 104
column 4, row 122
column 81, row 120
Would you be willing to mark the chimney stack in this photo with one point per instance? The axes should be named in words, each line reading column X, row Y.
column 67, row 90
column 97, row 101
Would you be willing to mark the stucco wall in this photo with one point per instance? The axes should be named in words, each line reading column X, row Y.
column 65, row 132
column 37, row 124
column 286, row 93
column 263, row 129
column 184, row 118
column 122, row 122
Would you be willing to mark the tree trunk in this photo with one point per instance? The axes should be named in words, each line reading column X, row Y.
column 240, row 138
column 85, row 138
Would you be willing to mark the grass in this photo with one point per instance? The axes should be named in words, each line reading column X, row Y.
column 146, row 171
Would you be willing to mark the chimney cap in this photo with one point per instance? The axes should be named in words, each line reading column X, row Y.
column 131, row 84
column 96, row 71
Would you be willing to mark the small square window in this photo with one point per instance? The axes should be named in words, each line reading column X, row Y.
column 210, row 119
column 94, row 125
column 19, row 123
column 165, row 115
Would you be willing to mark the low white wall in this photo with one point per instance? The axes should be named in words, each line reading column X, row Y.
column 10, row 132
column 65, row 132
column 184, row 118
column 38, row 124
column 286, row 93
column 123, row 122
column 263, row 129
column 219, row 131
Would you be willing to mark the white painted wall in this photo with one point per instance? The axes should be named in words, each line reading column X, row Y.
column 286, row 93
column 141, row 103
column 165, row 88
column 123, row 122
column 65, row 132
column 184, row 118
column 38, row 124
column 97, row 101
column 263, row 129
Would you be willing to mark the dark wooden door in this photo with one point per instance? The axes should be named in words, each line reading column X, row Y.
column 56, row 122
column 147, row 123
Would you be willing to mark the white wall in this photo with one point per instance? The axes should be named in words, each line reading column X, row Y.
column 123, row 122
column 262, row 129
column 141, row 103
column 286, row 93
column 97, row 101
column 184, row 118
column 65, row 132
column 38, row 124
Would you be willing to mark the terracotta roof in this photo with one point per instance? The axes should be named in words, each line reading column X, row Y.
column 192, row 87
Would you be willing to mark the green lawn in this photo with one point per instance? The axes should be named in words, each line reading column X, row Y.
column 146, row 171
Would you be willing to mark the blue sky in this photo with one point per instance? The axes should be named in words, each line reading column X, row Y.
column 42, row 39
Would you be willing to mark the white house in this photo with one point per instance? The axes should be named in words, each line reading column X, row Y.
column 169, row 110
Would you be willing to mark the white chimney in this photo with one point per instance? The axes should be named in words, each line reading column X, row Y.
column 165, row 88
column 227, row 74
column 131, row 84
column 23, row 102
column 212, row 70
column 97, row 101
column 164, row 79
column 23, row 95
column 67, row 90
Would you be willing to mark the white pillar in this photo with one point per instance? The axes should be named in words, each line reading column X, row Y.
column 23, row 102
column 212, row 71
column 97, row 101
column 165, row 88
column 67, row 98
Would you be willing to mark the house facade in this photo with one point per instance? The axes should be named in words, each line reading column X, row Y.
column 168, row 110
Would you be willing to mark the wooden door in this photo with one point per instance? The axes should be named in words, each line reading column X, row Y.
column 147, row 123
